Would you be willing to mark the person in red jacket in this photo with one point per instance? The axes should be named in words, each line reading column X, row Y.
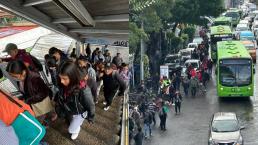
column 18, row 54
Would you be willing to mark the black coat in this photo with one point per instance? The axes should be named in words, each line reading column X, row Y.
column 77, row 104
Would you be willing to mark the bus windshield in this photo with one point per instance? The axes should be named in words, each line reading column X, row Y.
column 216, row 38
column 233, row 15
column 235, row 72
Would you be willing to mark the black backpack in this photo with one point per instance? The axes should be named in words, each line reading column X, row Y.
column 36, row 63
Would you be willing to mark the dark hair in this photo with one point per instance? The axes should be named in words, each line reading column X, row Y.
column 52, row 50
column 46, row 56
column 51, row 61
column 139, row 129
column 70, row 69
column 83, row 72
column 16, row 67
column 97, row 48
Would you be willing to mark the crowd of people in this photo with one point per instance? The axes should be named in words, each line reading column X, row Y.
column 72, row 95
column 144, row 111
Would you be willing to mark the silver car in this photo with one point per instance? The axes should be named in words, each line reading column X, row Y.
column 225, row 129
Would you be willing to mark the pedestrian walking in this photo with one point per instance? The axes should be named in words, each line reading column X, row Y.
column 209, row 65
column 185, row 84
column 163, row 116
column 193, row 85
column 113, row 83
column 178, row 100
column 152, row 108
column 147, row 123
column 74, row 101
column 138, row 138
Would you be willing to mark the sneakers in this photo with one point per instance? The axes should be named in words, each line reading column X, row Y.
column 104, row 103
column 74, row 136
column 106, row 108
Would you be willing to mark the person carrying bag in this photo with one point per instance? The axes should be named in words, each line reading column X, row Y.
column 19, row 115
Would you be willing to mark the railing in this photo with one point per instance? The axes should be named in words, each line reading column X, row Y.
column 125, row 122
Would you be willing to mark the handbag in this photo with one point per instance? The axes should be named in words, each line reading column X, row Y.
column 27, row 127
column 42, row 107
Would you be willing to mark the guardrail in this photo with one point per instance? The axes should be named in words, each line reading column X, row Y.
column 125, row 121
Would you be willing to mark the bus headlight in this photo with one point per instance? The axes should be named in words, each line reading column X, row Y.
column 221, row 89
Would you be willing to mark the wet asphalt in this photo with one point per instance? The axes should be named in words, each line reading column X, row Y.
column 192, row 125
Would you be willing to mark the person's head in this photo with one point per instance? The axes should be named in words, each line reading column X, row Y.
column 84, row 73
column 55, row 52
column 82, row 61
column 51, row 62
column 97, row 49
column 11, row 49
column 73, row 49
column 139, row 129
column 124, row 67
column 118, row 55
column 108, row 69
column 17, row 70
column 46, row 56
column 88, row 45
column 69, row 75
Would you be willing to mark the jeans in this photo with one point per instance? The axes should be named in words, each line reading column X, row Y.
column 186, row 87
column 147, row 128
column 193, row 91
column 177, row 107
column 163, row 119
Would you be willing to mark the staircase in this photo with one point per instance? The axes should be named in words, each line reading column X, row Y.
column 104, row 131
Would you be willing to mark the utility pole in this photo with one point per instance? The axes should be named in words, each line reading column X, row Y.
column 141, row 61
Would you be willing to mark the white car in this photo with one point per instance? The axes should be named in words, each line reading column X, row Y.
column 239, row 28
column 186, row 54
column 244, row 22
column 255, row 27
column 195, row 63
column 192, row 45
column 225, row 129
column 197, row 40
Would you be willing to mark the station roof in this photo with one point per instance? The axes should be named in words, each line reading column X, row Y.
column 78, row 19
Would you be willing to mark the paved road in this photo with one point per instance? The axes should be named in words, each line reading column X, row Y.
column 191, row 127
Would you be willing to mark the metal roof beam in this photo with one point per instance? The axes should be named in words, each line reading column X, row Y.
column 64, row 20
column 29, row 3
column 77, row 10
column 112, row 18
column 100, row 31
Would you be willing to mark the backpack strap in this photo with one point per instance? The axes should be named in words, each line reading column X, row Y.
column 8, row 96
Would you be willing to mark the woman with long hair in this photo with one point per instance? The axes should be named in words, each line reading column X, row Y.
column 73, row 98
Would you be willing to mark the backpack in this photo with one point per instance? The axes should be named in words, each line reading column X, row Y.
column 36, row 63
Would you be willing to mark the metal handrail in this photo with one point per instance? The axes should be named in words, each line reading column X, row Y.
column 125, row 121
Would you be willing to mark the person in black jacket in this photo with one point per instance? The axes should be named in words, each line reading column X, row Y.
column 138, row 138
column 112, row 82
column 74, row 98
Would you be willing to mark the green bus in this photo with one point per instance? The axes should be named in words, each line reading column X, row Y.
column 234, row 70
column 223, row 21
column 235, row 15
column 219, row 33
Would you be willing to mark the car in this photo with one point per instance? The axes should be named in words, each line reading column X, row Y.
column 239, row 28
column 251, row 47
column 173, row 62
column 195, row 63
column 197, row 40
column 247, row 35
column 225, row 129
column 255, row 26
column 185, row 54
column 244, row 22
column 192, row 45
